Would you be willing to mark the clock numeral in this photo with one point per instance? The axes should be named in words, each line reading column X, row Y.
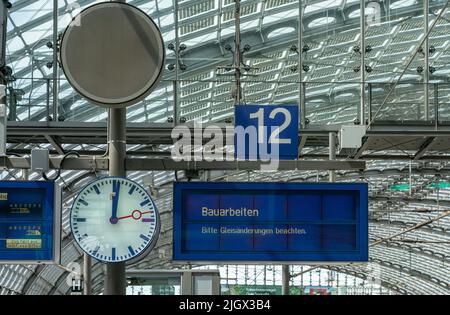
column 148, row 220
column 131, row 250
column 97, row 190
column 146, row 202
column 145, row 238
column 80, row 220
column 84, row 202
column 132, row 190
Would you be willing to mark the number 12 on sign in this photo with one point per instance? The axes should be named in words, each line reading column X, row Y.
column 266, row 132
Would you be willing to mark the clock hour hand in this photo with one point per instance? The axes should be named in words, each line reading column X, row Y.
column 115, row 202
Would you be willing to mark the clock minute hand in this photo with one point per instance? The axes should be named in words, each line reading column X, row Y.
column 115, row 202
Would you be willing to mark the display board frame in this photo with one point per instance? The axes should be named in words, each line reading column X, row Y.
column 181, row 255
column 53, row 196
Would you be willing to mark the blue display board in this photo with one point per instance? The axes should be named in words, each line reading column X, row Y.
column 266, row 132
column 271, row 222
column 29, row 222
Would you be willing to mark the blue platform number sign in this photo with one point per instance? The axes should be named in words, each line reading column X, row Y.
column 270, row 222
column 28, row 222
column 266, row 132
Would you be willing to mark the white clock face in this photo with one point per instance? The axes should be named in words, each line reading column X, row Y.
column 114, row 219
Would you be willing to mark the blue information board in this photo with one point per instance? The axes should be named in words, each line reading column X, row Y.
column 271, row 222
column 266, row 132
column 29, row 222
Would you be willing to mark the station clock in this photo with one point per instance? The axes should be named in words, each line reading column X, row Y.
column 114, row 219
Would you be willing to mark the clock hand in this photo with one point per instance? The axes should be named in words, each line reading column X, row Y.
column 137, row 215
column 115, row 202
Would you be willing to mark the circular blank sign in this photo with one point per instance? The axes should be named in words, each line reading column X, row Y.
column 113, row 54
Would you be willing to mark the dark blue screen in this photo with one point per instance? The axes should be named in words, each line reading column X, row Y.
column 270, row 222
column 26, row 221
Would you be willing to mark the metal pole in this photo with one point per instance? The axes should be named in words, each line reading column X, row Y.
column 332, row 154
column 302, row 100
column 115, row 281
column 3, row 119
column 115, row 278
column 363, row 63
column 436, row 106
column 87, row 274
column 285, row 278
column 369, row 112
column 238, row 59
column 48, row 101
column 176, row 118
column 3, row 83
column 55, row 61
column 426, row 51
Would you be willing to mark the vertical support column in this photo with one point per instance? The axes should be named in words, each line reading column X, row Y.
column 301, row 97
column 176, row 118
column 426, row 51
column 238, row 56
column 285, row 278
column 115, row 277
column 55, row 61
column 332, row 155
column 87, row 274
column 47, row 105
column 3, row 108
column 369, row 104
column 3, row 120
column 363, row 63
column 436, row 106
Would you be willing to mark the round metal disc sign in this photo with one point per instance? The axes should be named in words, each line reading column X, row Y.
column 113, row 54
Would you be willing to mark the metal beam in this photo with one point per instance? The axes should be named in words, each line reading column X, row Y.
column 363, row 148
column 55, row 144
column 428, row 144
column 166, row 164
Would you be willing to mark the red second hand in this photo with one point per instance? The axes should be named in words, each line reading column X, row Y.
column 132, row 215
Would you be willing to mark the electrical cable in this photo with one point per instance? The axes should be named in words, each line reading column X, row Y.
column 58, row 172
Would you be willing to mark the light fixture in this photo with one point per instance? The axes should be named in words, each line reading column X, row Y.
column 306, row 68
column 171, row 67
column 247, row 48
column 171, row 46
